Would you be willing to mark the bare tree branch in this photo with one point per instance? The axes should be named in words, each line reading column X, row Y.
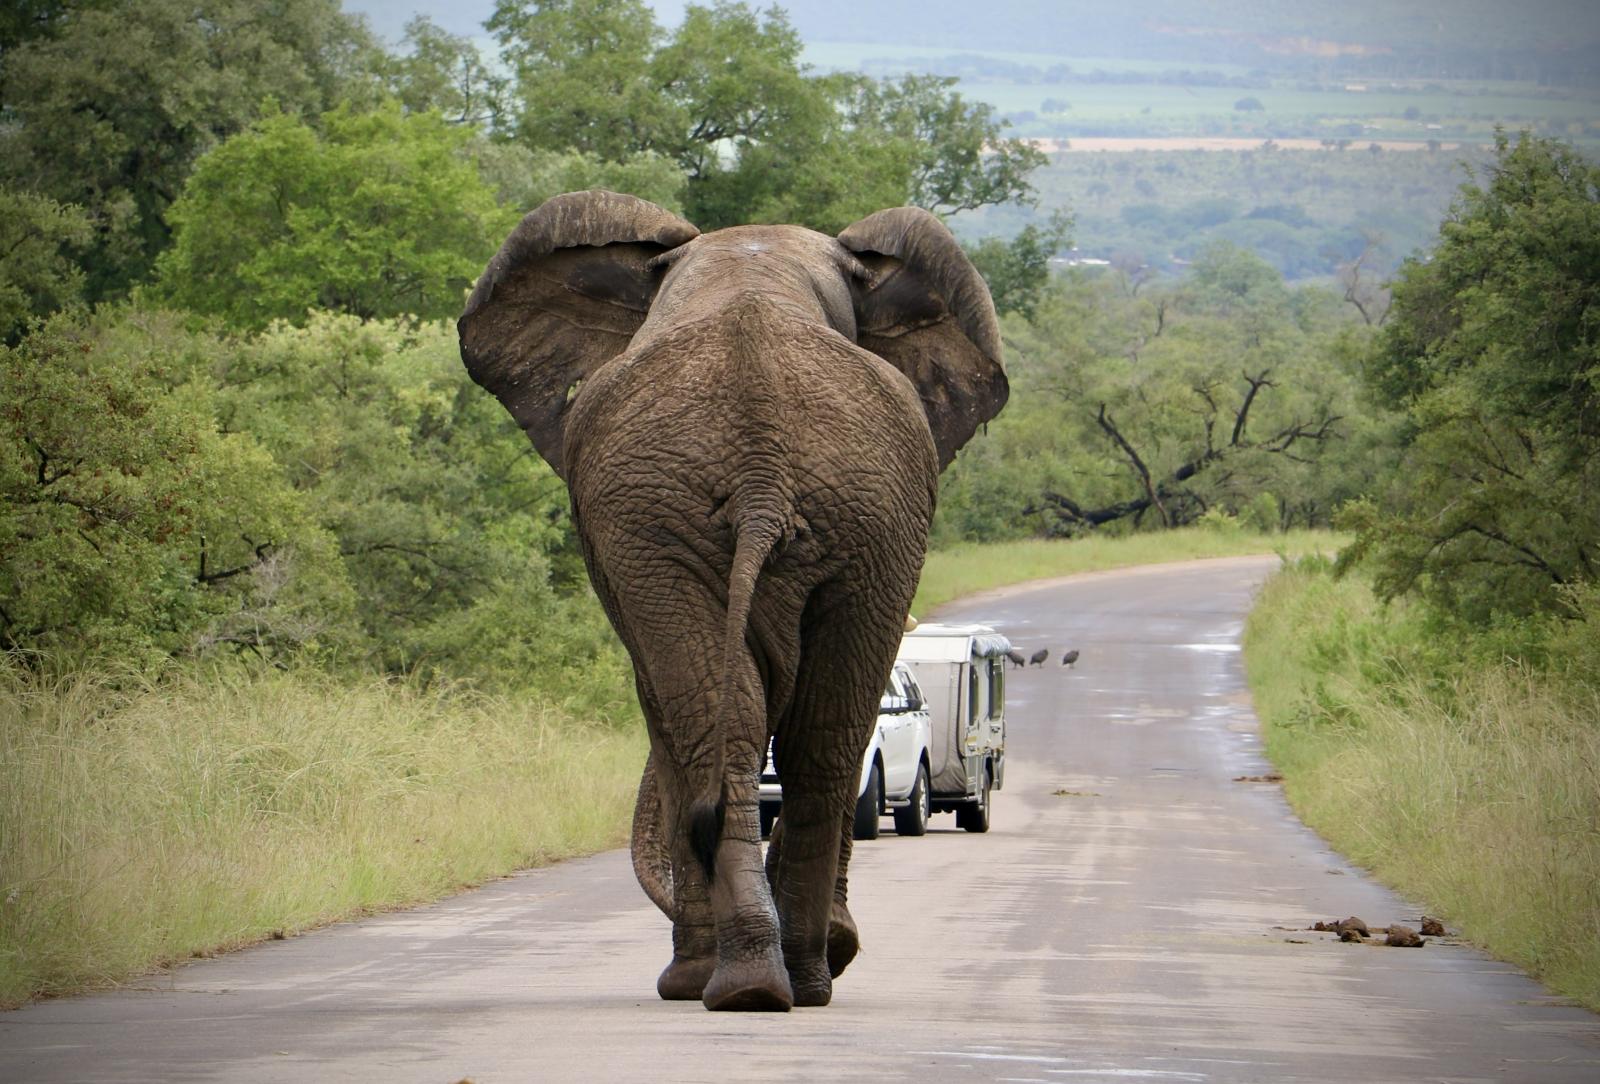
column 1138, row 463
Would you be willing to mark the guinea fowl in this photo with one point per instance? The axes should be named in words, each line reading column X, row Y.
column 1070, row 657
column 1039, row 656
column 1017, row 658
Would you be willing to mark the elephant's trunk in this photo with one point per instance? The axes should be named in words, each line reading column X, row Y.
column 651, row 863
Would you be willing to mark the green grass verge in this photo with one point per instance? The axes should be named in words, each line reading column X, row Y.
column 143, row 822
column 1471, row 785
column 960, row 570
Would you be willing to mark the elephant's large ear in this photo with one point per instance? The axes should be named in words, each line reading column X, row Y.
column 563, row 296
column 925, row 309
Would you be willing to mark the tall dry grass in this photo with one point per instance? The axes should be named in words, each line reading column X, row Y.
column 1476, row 792
column 147, row 820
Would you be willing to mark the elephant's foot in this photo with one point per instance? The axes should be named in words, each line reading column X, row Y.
column 756, row 985
column 685, row 979
column 813, row 986
column 843, row 940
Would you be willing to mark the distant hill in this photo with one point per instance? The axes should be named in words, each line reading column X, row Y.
column 1554, row 42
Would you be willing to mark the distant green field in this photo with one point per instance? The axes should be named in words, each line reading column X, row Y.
column 851, row 55
column 1304, row 211
column 1455, row 110
column 1093, row 100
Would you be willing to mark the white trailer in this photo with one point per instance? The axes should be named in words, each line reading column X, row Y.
column 961, row 669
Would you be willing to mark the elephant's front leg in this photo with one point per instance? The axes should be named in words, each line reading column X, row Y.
column 802, row 867
column 843, row 939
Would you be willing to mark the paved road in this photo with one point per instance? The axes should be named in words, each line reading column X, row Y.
column 1121, row 922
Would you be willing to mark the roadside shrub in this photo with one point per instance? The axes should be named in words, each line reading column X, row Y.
column 130, row 522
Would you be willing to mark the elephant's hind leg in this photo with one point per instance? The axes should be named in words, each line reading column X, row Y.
column 725, row 932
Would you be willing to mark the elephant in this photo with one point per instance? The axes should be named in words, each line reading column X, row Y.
column 750, row 423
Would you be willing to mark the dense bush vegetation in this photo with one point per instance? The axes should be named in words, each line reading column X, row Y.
column 1146, row 404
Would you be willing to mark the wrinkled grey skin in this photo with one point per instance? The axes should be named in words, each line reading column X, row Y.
column 751, row 424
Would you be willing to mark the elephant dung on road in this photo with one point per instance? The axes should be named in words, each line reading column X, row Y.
column 751, row 424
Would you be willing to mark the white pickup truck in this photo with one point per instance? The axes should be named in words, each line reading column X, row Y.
column 896, row 771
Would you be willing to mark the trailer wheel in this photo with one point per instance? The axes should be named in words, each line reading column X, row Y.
column 869, row 806
column 974, row 816
column 912, row 820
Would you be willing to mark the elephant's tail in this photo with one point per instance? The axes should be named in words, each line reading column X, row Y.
column 757, row 535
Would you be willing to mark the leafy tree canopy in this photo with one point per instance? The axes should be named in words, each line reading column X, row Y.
column 131, row 522
column 1492, row 351
column 1142, row 404
column 758, row 136
column 445, row 73
column 1018, row 270
column 111, row 104
column 583, row 78
column 524, row 179
column 959, row 160
column 378, row 214
column 37, row 273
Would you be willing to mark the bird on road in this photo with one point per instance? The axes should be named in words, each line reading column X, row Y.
column 1070, row 657
column 1017, row 658
column 1039, row 656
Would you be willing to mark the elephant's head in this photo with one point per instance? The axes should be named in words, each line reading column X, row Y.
column 578, row 277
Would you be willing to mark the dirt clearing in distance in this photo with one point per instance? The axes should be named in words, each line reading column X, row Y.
column 1222, row 143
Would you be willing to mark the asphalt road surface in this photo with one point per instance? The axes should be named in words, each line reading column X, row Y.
column 1135, row 914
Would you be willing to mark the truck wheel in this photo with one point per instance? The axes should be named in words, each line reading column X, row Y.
column 974, row 816
column 769, row 815
column 912, row 820
column 869, row 805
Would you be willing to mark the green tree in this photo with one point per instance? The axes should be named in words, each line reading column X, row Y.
column 128, row 521
column 523, row 179
column 1146, row 408
column 767, row 141
column 452, row 531
column 583, row 78
column 37, row 274
column 110, row 110
column 1490, row 350
column 1019, row 270
column 440, row 72
column 758, row 136
column 379, row 214
column 25, row 20
column 960, row 158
